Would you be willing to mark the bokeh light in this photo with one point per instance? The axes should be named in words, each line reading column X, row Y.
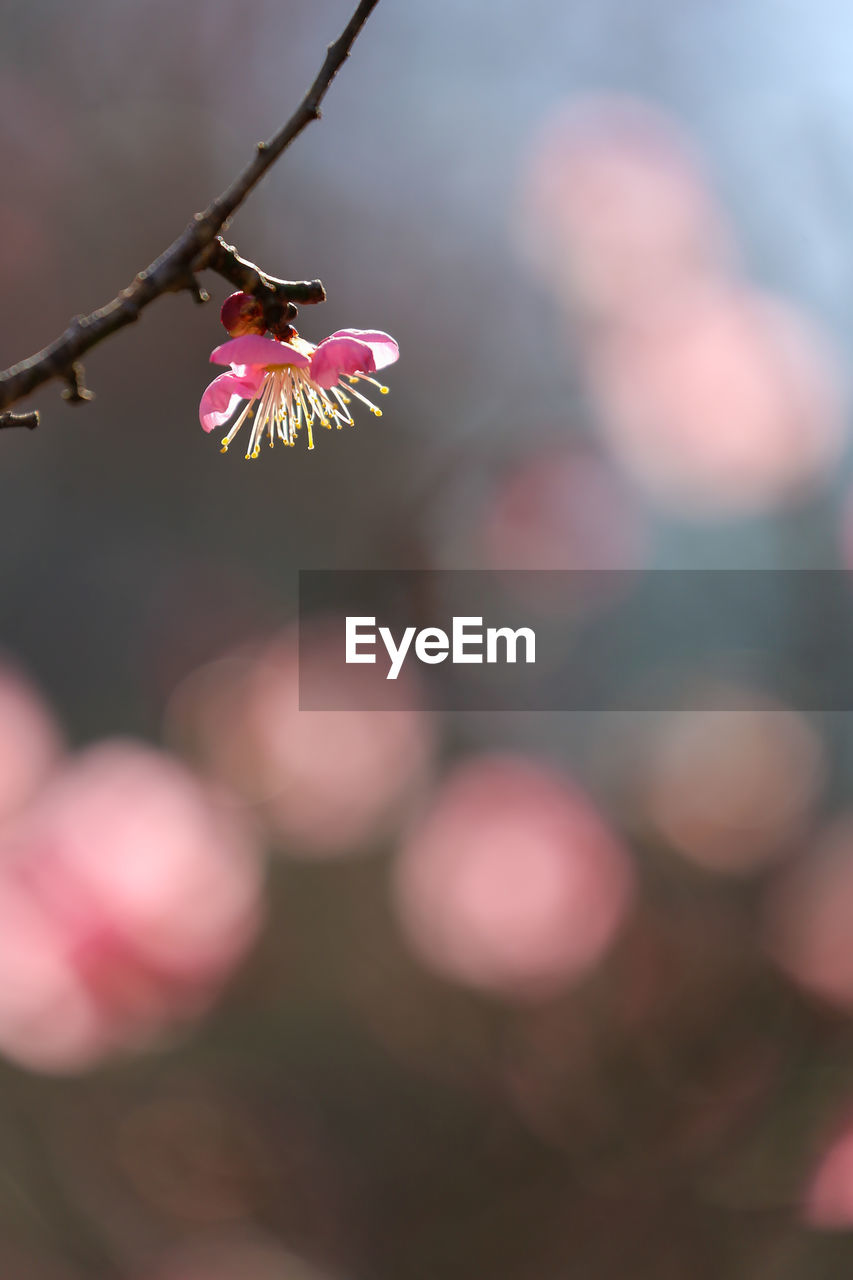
column 828, row 1198
column 808, row 918
column 727, row 403
column 30, row 741
column 617, row 213
column 127, row 896
column 326, row 783
column 511, row 881
column 562, row 508
column 730, row 786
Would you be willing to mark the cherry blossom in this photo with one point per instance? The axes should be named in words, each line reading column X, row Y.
column 288, row 384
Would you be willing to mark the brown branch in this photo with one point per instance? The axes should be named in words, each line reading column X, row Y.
column 76, row 392
column 224, row 259
column 276, row 296
column 28, row 420
column 196, row 248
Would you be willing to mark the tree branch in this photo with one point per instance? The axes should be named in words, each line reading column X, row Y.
column 198, row 247
column 28, row 420
column 224, row 259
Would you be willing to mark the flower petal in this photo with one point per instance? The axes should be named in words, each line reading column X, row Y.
column 384, row 348
column 257, row 352
column 339, row 355
column 221, row 398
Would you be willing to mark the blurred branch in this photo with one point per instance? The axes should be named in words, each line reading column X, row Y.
column 198, row 247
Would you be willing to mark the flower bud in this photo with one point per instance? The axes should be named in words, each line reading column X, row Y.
column 283, row 331
column 242, row 313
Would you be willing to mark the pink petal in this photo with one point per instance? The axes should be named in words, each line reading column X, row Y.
column 259, row 352
column 384, row 348
column 223, row 395
column 339, row 355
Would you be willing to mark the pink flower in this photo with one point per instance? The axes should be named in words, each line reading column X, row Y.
column 128, row 894
column 294, row 382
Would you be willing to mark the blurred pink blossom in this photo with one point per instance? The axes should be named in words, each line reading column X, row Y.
column 327, row 783
column 511, row 881
column 562, row 508
column 617, row 213
column 292, row 383
column 30, row 741
column 731, row 786
column 730, row 403
column 127, row 896
column 808, row 917
column 828, row 1199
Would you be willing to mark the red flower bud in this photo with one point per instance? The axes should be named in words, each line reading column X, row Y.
column 242, row 313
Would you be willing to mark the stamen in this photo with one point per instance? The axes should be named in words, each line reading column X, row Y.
column 304, row 402
column 372, row 407
column 247, row 409
column 309, row 416
column 364, row 378
column 342, row 412
column 262, row 416
column 288, row 399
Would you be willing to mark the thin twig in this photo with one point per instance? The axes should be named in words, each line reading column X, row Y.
column 28, row 420
column 224, row 259
column 196, row 248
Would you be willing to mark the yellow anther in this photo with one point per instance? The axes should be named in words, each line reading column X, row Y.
column 384, row 390
column 224, row 449
column 377, row 412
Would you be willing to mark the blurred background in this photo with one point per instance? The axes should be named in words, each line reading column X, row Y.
column 300, row 996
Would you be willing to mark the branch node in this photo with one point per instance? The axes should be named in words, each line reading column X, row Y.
column 226, row 261
column 76, row 392
column 195, row 289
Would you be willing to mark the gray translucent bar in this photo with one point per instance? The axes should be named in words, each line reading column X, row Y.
column 604, row 640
